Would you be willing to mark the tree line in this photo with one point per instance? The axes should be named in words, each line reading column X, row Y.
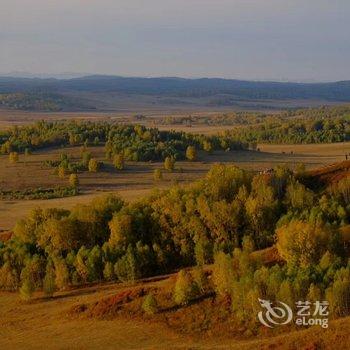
column 134, row 142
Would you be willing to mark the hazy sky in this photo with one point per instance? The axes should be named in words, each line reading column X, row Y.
column 249, row 39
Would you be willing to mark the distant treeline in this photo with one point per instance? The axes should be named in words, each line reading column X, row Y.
column 134, row 142
column 226, row 89
column 320, row 125
column 38, row 101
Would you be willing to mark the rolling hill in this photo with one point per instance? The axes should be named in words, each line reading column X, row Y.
column 109, row 92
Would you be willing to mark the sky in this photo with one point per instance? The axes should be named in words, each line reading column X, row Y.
column 295, row 40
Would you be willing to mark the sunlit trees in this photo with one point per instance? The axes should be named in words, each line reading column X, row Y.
column 93, row 165
column 207, row 146
column 223, row 275
column 27, row 289
column 339, row 293
column 74, row 180
column 169, row 163
column 118, row 161
column 183, row 290
column 61, row 274
column 301, row 243
column 49, row 286
column 13, row 157
column 191, row 153
column 61, row 171
column 108, row 271
column 149, row 305
column 298, row 197
column 121, row 229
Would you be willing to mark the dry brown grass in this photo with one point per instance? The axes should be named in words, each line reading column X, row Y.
column 80, row 319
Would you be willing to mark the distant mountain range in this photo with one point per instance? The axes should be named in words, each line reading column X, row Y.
column 100, row 90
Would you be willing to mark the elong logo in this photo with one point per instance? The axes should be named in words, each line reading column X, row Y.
column 282, row 314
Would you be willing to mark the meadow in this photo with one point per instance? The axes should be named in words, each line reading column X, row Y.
column 177, row 259
column 137, row 177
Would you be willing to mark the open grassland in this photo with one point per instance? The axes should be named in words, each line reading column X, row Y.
column 137, row 178
column 55, row 323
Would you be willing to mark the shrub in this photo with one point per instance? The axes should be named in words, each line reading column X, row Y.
column 149, row 305
column 157, row 175
column 183, row 291
column 27, row 289
column 13, row 157
column 93, row 165
column 191, row 153
column 73, row 180
column 169, row 163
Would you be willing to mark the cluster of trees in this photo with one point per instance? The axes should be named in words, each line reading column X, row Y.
column 42, row 193
column 296, row 130
column 136, row 143
column 317, row 268
column 217, row 219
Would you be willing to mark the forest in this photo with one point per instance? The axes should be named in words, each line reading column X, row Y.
column 296, row 131
column 135, row 142
column 218, row 221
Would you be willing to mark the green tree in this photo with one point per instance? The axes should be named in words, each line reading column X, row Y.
column 301, row 243
column 183, row 291
column 223, row 275
column 118, row 161
column 149, row 305
column 93, row 165
column 169, row 163
column 49, row 280
column 199, row 279
column 74, row 180
column 108, row 271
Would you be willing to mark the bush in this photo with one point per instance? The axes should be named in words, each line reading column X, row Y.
column 149, row 305
column 157, row 175
column 183, row 291
column 27, row 290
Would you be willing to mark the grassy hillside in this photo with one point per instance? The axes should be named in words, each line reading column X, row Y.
column 60, row 322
